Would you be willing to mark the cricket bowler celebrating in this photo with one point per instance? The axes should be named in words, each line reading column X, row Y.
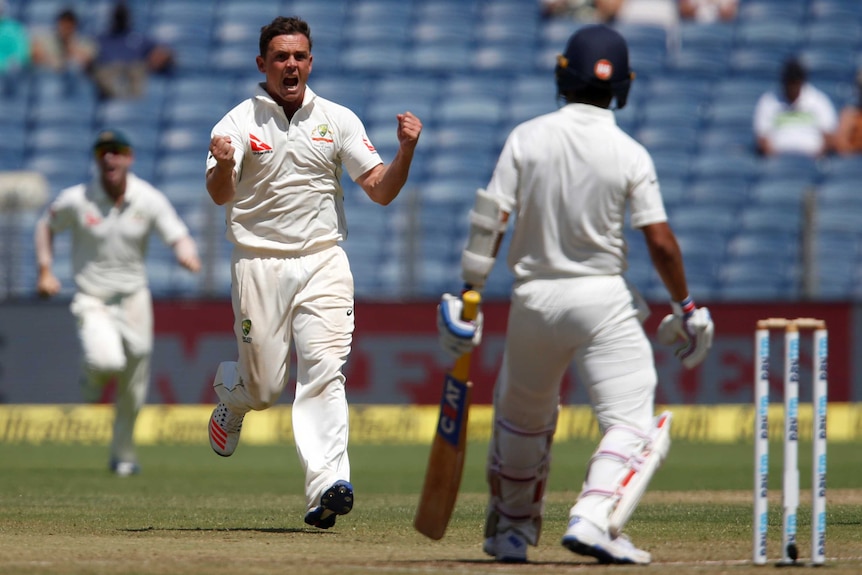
column 275, row 163
column 568, row 178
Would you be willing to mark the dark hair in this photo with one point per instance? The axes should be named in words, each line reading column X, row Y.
column 283, row 26
column 67, row 14
column 793, row 71
column 121, row 19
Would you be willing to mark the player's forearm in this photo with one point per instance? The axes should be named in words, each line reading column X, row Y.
column 44, row 246
column 384, row 183
column 186, row 253
column 672, row 273
column 221, row 184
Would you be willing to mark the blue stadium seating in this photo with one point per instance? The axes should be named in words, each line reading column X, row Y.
column 472, row 70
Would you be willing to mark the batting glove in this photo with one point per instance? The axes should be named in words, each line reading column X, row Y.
column 691, row 328
column 457, row 336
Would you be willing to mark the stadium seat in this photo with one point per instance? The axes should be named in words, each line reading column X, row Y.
column 835, row 10
column 673, row 164
column 676, row 87
column 804, row 168
column 702, row 36
column 706, row 217
column 785, row 190
column 439, row 56
column 837, row 33
column 657, row 135
column 730, row 139
column 844, row 192
column 830, row 62
column 704, row 64
column 737, row 112
column 760, row 61
column 722, row 164
column 832, row 218
column 732, row 192
column 764, row 243
column 782, row 218
column 386, row 56
column 842, row 167
column 792, row 11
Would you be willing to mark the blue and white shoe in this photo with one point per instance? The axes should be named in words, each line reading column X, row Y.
column 506, row 547
column 335, row 501
column 585, row 538
column 124, row 468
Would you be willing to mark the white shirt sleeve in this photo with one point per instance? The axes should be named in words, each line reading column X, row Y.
column 62, row 213
column 505, row 179
column 358, row 154
column 646, row 204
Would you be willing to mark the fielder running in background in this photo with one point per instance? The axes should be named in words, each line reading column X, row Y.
column 111, row 219
column 275, row 163
column 569, row 177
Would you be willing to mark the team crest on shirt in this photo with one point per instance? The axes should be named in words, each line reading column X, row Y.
column 246, row 329
column 321, row 137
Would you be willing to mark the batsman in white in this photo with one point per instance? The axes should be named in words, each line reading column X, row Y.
column 111, row 219
column 568, row 179
column 275, row 163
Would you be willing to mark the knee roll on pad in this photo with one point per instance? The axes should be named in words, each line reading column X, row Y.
column 632, row 459
column 518, row 484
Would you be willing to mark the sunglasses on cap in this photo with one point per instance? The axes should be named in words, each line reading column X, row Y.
column 103, row 149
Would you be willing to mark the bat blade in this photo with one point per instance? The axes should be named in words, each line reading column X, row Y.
column 449, row 448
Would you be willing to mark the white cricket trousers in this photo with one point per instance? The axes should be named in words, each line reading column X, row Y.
column 116, row 337
column 595, row 322
column 307, row 299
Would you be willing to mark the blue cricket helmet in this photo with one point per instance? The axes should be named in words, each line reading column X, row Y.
column 597, row 56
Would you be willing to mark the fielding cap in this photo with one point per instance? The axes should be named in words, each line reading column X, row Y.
column 111, row 138
column 597, row 56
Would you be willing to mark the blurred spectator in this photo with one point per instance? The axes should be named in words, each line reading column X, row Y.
column 126, row 58
column 848, row 138
column 663, row 13
column 581, row 10
column 800, row 119
column 708, row 11
column 64, row 48
column 14, row 43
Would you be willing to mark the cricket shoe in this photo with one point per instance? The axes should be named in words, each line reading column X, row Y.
column 225, row 426
column 335, row 501
column 506, row 547
column 585, row 538
column 124, row 468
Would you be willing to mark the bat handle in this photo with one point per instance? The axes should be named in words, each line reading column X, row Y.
column 471, row 299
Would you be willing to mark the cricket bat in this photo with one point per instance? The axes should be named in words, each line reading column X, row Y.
column 446, row 461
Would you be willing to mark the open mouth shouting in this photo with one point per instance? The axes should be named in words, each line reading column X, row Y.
column 290, row 84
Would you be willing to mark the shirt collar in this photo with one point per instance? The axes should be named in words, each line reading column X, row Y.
column 261, row 94
column 97, row 193
column 591, row 111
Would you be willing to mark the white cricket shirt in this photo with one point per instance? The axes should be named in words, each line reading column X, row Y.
column 289, row 198
column 569, row 176
column 109, row 242
column 796, row 128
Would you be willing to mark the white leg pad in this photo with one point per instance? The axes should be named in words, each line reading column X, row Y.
column 518, row 466
column 644, row 465
column 619, row 473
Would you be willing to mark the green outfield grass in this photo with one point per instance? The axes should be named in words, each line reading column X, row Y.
column 193, row 513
